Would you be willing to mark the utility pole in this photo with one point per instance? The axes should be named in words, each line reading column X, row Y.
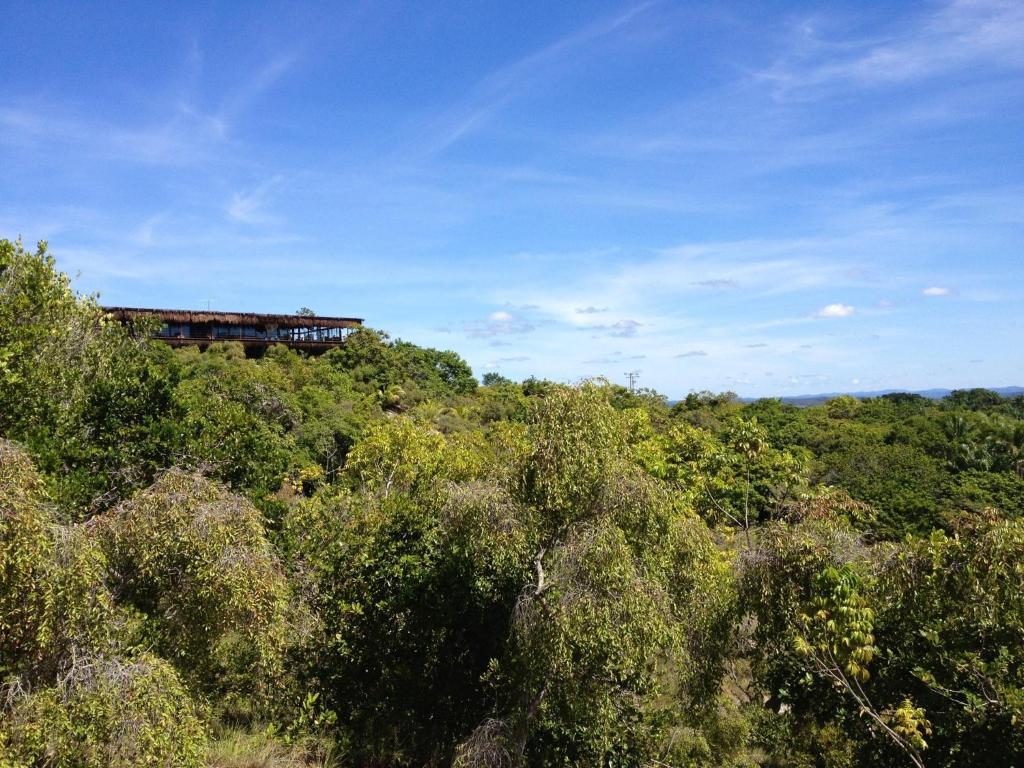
column 632, row 376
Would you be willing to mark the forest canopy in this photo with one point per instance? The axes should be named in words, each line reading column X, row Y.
column 368, row 558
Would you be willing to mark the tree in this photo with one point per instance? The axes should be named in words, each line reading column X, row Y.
column 950, row 616
column 493, row 378
column 194, row 564
column 54, row 600
column 739, row 479
column 105, row 713
column 810, row 588
column 92, row 404
column 974, row 399
column 615, row 645
column 238, row 420
column 414, row 572
column 77, row 692
column 575, row 437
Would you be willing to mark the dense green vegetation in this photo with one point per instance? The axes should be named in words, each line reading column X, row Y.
column 367, row 559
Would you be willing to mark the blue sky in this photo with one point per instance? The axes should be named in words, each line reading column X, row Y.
column 773, row 198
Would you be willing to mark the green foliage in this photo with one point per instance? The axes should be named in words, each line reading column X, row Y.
column 697, row 401
column 26, row 547
column 496, row 403
column 89, row 403
column 237, row 418
column 616, row 640
column 903, row 483
column 105, row 712
column 918, row 462
column 837, row 628
column 366, row 552
column 53, row 597
column 953, row 617
column 974, row 399
column 935, row 621
column 809, row 586
column 739, row 479
column 238, row 749
column 395, row 455
column 909, row 722
column 194, row 563
column 39, row 320
column 414, row 602
column 575, row 437
column 977, row 491
column 494, row 379
column 379, row 364
column 587, row 655
column 843, row 407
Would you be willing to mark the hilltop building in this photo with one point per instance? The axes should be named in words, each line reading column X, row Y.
column 256, row 332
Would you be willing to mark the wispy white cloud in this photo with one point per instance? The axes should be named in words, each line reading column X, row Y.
column 615, row 358
column 835, row 310
column 716, row 283
column 936, row 290
column 249, row 205
column 177, row 132
column 145, row 234
column 498, row 89
column 500, row 323
column 955, row 36
column 233, row 103
column 640, row 286
column 621, row 329
column 625, row 328
column 251, row 90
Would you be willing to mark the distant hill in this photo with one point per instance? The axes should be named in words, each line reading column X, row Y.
column 931, row 394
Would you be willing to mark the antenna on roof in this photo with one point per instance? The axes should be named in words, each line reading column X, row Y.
column 207, row 304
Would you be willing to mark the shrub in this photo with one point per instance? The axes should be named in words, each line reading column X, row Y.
column 53, row 597
column 106, row 713
column 237, row 749
column 195, row 562
column 25, row 548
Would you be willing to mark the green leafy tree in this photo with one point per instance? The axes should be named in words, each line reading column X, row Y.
column 613, row 635
column 951, row 617
column 105, row 713
column 414, row 602
column 193, row 562
column 973, row 399
column 89, row 402
column 739, row 479
column 238, row 420
column 493, row 378
column 814, row 635
column 54, row 601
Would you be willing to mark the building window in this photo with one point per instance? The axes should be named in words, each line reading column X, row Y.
column 227, row 332
column 174, row 331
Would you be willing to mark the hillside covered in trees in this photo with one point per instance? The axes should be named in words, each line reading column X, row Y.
column 368, row 558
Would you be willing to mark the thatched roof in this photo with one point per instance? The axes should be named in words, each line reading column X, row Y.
column 234, row 318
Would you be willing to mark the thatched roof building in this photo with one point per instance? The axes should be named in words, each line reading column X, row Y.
column 200, row 328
